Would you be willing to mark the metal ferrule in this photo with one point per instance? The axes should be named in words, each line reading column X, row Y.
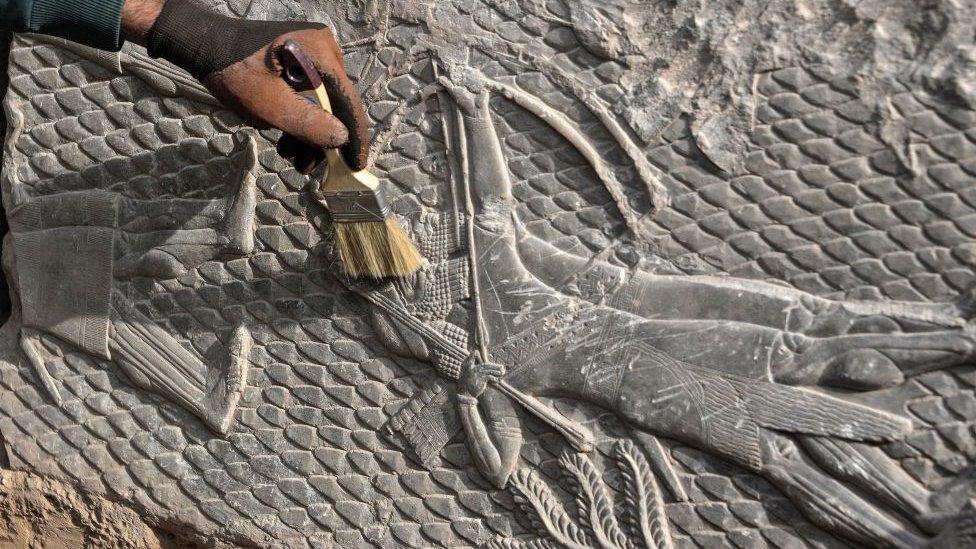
column 357, row 206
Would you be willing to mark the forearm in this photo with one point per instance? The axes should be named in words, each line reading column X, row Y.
column 496, row 456
column 138, row 17
column 101, row 24
column 482, row 448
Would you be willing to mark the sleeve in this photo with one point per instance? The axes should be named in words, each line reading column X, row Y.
column 16, row 13
column 95, row 23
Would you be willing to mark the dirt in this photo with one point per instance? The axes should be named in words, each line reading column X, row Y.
column 41, row 513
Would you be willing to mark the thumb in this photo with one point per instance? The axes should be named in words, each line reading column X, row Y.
column 347, row 105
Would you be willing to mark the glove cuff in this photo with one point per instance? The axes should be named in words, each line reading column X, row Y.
column 204, row 42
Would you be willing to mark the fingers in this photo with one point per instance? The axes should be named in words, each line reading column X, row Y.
column 347, row 104
column 493, row 370
column 264, row 100
column 256, row 89
column 490, row 369
column 473, row 360
column 304, row 120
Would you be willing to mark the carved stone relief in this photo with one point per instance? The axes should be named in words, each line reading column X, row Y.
column 705, row 318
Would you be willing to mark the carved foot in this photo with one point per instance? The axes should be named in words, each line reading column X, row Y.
column 869, row 361
column 862, row 370
column 819, row 318
column 827, row 502
column 156, row 262
column 222, row 403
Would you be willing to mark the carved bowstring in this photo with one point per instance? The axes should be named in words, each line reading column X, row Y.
column 578, row 436
column 481, row 328
column 450, row 148
column 648, row 174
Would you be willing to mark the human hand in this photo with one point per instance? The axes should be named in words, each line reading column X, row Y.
column 236, row 60
column 475, row 375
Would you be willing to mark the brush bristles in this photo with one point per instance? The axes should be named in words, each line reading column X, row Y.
column 376, row 249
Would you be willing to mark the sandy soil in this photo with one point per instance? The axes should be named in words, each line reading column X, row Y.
column 40, row 513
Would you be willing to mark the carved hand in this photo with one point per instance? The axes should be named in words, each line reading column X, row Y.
column 235, row 60
column 476, row 375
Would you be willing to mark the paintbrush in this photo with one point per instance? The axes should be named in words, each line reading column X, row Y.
column 371, row 242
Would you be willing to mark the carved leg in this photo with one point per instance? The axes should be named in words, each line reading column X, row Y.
column 827, row 502
column 734, row 348
column 239, row 222
column 156, row 361
column 181, row 234
column 144, row 216
column 164, row 254
column 704, row 297
column 870, row 469
column 172, row 214
column 823, row 318
column 757, row 302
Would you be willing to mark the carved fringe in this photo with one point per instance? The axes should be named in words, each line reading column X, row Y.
column 426, row 422
column 644, row 504
column 594, row 504
column 798, row 410
column 537, row 501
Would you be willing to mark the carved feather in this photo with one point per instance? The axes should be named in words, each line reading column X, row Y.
column 547, row 514
column 595, row 505
column 644, row 505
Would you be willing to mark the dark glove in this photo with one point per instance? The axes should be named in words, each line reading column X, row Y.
column 236, row 59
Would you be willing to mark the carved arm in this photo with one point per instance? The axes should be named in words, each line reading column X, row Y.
column 494, row 444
